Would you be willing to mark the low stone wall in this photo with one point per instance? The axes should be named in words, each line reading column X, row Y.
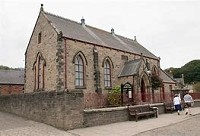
column 196, row 103
column 63, row 110
column 160, row 107
column 95, row 117
column 104, row 116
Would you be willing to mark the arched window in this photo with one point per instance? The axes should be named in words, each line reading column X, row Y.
column 107, row 74
column 39, row 72
column 79, row 71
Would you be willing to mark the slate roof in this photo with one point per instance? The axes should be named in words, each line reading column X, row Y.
column 12, row 77
column 165, row 77
column 130, row 68
column 86, row 33
column 179, row 80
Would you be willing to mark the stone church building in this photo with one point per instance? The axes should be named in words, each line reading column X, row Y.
column 64, row 55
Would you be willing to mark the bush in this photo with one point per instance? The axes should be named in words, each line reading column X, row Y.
column 114, row 96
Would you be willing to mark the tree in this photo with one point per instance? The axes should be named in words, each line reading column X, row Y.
column 8, row 68
column 191, row 71
column 4, row 67
column 156, row 82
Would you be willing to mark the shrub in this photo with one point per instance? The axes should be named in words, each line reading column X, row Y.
column 114, row 96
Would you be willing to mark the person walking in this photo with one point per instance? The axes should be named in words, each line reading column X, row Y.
column 177, row 103
column 188, row 102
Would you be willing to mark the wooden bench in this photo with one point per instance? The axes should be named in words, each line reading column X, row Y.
column 142, row 111
column 169, row 107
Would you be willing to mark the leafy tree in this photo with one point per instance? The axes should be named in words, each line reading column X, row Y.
column 4, row 67
column 8, row 68
column 175, row 72
column 156, row 82
column 191, row 71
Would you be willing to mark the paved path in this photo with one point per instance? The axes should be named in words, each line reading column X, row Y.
column 11, row 125
column 189, row 127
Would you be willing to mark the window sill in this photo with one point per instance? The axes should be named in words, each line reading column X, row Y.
column 80, row 87
column 108, row 88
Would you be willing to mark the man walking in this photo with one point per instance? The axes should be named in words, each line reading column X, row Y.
column 188, row 102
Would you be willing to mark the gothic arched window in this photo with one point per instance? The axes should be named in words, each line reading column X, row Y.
column 107, row 74
column 79, row 71
column 39, row 72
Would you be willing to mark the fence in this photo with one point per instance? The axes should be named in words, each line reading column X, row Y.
column 195, row 96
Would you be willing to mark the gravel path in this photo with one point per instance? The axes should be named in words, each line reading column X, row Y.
column 189, row 127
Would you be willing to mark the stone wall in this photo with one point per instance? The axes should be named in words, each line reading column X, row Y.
column 104, row 116
column 48, row 49
column 74, row 47
column 63, row 110
column 196, row 103
column 95, row 117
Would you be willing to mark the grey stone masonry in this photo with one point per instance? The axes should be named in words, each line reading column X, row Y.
column 60, row 63
column 63, row 110
column 95, row 117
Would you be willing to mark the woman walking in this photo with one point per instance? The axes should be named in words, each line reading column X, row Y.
column 177, row 103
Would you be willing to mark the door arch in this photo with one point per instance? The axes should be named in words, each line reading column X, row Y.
column 126, row 93
column 144, row 87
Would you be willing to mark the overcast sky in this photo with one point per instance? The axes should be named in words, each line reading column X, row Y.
column 170, row 29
